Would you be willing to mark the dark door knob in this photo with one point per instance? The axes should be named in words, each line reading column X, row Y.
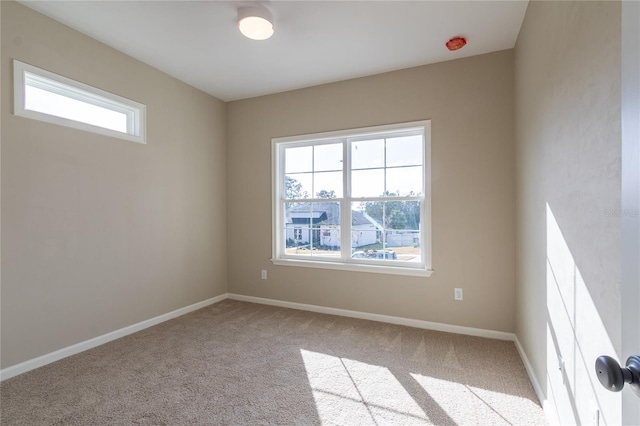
column 613, row 377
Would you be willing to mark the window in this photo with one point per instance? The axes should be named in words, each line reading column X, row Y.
column 355, row 200
column 49, row 97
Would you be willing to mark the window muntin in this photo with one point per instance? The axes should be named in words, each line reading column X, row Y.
column 45, row 96
column 356, row 199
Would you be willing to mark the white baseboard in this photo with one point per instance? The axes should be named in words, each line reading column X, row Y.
column 40, row 361
column 532, row 375
column 470, row 331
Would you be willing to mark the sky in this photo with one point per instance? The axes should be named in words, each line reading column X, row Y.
column 46, row 102
column 378, row 165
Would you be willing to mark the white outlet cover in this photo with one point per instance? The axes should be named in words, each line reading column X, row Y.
column 457, row 293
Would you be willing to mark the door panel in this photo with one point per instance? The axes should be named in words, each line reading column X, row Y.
column 630, row 198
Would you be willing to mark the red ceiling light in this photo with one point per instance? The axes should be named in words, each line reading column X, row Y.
column 456, row 43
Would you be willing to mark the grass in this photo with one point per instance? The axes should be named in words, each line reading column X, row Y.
column 405, row 250
column 403, row 253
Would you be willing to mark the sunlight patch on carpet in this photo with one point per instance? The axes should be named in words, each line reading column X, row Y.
column 353, row 392
column 466, row 404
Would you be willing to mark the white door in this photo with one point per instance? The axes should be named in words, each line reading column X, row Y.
column 630, row 198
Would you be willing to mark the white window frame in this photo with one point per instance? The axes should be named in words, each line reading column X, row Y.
column 25, row 74
column 345, row 262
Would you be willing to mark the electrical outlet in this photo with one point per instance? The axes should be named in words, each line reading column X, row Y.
column 263, row 274
column 457, row 293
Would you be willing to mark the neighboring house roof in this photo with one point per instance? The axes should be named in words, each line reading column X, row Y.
column 302, row 217
column 327, row 214
column 369, row 220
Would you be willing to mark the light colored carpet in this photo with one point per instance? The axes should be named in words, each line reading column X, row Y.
column 238, row 363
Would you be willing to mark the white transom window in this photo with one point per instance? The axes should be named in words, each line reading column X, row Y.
column 45, row 96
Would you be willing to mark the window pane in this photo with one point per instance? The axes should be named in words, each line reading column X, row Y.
column 47, row 102
column 395, row 215
column 297, row 215
column 367, row 212
column 367, row 183
column 297, row 185
column 312, row 229
column 367, row 154
column 296, row 236
column 386, row 230
column 404, row 244
column 365, row 231
column 328, row 184
column 298, row 159
column 412, row 214
column 404, row 151
column 327, row 158
column 408, row 218
column 404, row 181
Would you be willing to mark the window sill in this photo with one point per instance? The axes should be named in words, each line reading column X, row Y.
column 354, row 267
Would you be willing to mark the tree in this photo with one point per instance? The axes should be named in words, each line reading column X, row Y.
column 394, row 214
column 397, row 220
column 293, row 189
column 412, row 212
column 326, row 194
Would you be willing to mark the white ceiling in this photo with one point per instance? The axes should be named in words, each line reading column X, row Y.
column 315, row 42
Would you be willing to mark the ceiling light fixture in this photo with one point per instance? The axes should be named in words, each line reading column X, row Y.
column 255, row 22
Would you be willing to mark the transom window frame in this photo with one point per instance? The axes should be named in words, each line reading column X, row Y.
column 345, row 262
column 28, row 75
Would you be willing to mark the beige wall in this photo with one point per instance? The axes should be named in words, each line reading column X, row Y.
column 470, row 103
column 567, row 73
column 100, row 233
